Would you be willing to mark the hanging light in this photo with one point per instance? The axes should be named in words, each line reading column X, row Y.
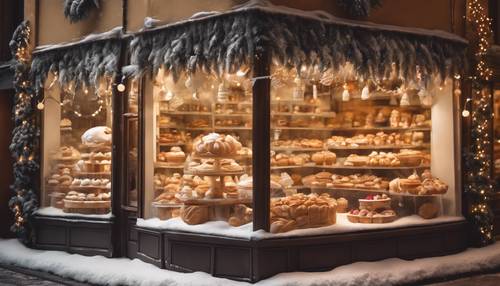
column 222, row 93
column 365, row 93
column 315, row 91
column 466, row 112
column 298, row 91
column 405, row 99
column 345, row 94
column 40, row 105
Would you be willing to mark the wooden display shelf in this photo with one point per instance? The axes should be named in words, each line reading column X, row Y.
column 234, row 114
column 381, row 128
column 339, row 166
column 92, row 174
column 216, row 202
column 215, row 173
column 353, row 189
column 306, row 114
column 413, row 195
column 162, row 205
column 296, row 149
column 232, row 128
column 89, row 189
column 194, row 113
column 172, row 144
column 164, row 165
column 380, row 147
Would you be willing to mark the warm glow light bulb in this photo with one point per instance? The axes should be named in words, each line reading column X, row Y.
column 121, row 87
column 465, row 113
column 40, row 105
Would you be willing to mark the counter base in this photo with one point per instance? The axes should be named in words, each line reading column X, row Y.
column 254, row 260
column 74, row 235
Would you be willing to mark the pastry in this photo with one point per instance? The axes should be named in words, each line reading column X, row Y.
column 194, row 214
column 97, row 135
column 356, row 160
column 215, row 144
column 428, row 210
column 324, row 158
column 176, row 155
column 342, row 205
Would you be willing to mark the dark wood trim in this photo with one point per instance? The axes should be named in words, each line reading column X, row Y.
column 74, row 235
column 119, row 105
column 261, row 135
column 253, row 260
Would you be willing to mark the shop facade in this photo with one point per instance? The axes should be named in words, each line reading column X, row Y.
column 247, row 142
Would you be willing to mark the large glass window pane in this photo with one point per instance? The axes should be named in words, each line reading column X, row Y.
column 76, row 149
column 198, row 148
column 347, row 151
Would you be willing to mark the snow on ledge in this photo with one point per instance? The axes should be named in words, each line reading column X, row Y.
column 55, row 212
column 222, row 228
column 123, row 271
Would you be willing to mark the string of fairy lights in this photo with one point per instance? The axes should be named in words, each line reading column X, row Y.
column 25, row 136
column 479, row 185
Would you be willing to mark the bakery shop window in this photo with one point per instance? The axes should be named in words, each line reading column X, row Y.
column 351, row 152
column 198, row 148
column 76, row 164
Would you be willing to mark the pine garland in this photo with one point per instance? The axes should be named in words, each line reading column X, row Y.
column 223, row 43
column 77, row 10
column 25, row 137
column 479, row 184
column 359, row 8
column 83, row 64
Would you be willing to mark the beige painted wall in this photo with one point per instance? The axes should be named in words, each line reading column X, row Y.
column 53, row 27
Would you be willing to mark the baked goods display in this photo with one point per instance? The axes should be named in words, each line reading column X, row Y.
column 376, row 140
column 216, row 145
column 302, row 211
column 373, row 209
column 283, row 159
column 422, row 185
column 175, row 156
column 87, row 203
column 298, row 143
column 355, row 181
column 324, row 158
column 79, row 180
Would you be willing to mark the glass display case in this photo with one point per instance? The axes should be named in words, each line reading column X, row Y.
column 76, row 148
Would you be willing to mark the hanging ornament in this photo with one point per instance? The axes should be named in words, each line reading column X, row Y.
column 405, row 99
column 327, row 77
column 365, row 93
column 121, row 87
column 315, row 91
column 222, row 93
column 345, row 94
column 298, row 90
column 40, row 105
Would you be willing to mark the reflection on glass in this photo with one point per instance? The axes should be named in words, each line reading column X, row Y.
column 77, row 148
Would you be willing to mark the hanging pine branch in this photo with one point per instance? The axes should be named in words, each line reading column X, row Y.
column 223, row 43
column 25, row 137
column 359, row 8
column 77, row 10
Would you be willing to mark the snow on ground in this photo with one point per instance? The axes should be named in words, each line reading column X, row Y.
column 245, row 231
column 123, row 271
